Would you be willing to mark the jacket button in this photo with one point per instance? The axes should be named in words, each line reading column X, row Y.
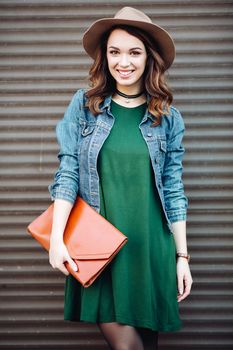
column 149, row 134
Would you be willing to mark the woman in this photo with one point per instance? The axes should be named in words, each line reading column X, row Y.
column 120, row 150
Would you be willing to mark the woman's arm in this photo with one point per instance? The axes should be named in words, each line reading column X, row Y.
column 175, row 199
column 64, row 188
column 58, row 253
column 184, row 277
column 66, row 179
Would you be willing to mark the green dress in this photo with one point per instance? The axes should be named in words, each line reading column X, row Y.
column 139, row 287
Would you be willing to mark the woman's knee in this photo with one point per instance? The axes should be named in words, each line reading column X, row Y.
column 121, row 337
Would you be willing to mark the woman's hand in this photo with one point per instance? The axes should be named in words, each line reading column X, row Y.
column 184, row 278
column 58, row 255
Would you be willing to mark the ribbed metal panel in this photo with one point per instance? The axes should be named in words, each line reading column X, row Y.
column 42, row 63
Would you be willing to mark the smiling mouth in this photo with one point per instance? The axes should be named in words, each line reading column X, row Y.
column 125, row 73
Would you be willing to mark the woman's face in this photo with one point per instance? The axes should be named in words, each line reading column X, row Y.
column 126, row 56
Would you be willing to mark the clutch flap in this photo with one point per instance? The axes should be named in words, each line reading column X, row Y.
column 94, row 251
column 96, row 256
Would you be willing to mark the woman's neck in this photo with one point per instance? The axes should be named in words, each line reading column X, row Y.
column 130, row 90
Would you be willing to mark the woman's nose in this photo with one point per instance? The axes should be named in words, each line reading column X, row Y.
column 124, row 61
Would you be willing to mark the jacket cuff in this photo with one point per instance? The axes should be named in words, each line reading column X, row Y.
column 62, row 194
column 177, row 215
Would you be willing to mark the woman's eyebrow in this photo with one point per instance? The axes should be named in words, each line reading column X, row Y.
column 133, row 48
column 136, row 48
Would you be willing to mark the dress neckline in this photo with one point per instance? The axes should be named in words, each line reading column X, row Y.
column 118, row 105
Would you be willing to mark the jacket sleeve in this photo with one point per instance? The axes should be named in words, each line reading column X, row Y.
column 175, row 200
column 66, row 179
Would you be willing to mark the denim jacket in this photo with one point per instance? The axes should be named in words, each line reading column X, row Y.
column 81, row 135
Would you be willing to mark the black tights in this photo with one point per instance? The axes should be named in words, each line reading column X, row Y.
column 123, row 337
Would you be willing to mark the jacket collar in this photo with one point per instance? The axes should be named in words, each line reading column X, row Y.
column 106, row 104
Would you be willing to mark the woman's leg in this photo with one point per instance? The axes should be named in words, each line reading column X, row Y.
column 121, row 337
column 149, row 338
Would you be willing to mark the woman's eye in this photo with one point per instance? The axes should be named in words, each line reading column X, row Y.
column 135, row 53
column 114, row 52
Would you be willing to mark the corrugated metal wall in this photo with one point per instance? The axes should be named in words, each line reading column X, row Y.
column 42, row 63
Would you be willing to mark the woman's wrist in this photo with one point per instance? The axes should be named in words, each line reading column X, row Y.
column 56, row 238
column 183, row 255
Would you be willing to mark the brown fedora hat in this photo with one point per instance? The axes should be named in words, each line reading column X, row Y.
column 133, row 17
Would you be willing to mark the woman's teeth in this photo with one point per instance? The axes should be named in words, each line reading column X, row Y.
column 125, row 73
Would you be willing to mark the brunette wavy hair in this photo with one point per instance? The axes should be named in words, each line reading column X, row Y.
column 102, row 84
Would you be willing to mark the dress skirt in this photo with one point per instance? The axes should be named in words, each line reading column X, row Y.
column 139, row 287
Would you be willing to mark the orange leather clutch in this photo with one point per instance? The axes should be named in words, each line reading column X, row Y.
column 91, row 240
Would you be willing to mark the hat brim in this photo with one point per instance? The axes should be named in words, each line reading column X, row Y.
column 164, row 42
